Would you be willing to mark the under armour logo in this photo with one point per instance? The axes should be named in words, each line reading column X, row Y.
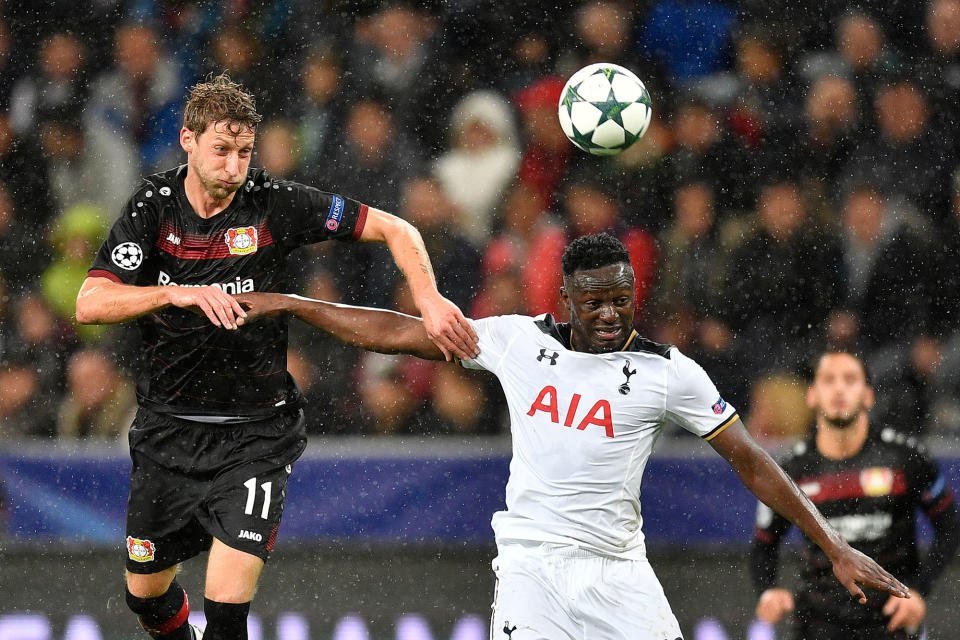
column 552, row 358
column 507, row 629
column 625, row 387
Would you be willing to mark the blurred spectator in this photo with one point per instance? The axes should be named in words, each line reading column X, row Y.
column 671, row 25
column 778, row 409
column 888, row 271
column 394, row 56
column 24, row 407
column 22, row 245
column 278, row 150
column 860, row 54
column 781, row 284
column 42, row 340
column 374, row 159
column 58, row 82
column 75, row 238
column 547, row 149
column 763, row 110
column 908, row 157
column 907, row 386
column 827, row 134
column 456, row 261
column 24, row 171
column 703, row 150
column 481, row 162
column 525, row 254
column 938, row 71
column 99, row 401
column 319, row 106
column 139, row 100
column 690, row 255
column 86, row 166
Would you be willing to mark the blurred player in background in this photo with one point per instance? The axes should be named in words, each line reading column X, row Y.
column 588, row 400
column 219, row 422
column 869, row 484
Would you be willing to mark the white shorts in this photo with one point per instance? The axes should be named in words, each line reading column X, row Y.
column 559, row 592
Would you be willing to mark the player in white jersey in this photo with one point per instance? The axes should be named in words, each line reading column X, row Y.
column 587, row 402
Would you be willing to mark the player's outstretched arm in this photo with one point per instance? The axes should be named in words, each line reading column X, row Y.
column 758, row 471
column 444, row 322
column 103, row 301
column 372, row 329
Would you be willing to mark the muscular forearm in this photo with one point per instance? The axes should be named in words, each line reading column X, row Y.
column 372, row 329
column 102, row 301
column 410, row 254
column 764, row 477
column 767, row 481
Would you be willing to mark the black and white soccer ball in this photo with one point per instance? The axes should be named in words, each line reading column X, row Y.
column 127, row 255
column 604, row 108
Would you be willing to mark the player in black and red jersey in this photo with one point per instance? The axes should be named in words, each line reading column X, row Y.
column 869, row 483
column 219, row 422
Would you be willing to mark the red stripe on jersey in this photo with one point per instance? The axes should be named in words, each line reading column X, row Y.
column 192, row 246
column 103, row 273
column 854, row 484
column 361, row 221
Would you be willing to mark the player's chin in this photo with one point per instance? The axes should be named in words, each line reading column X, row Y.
column 607, row 339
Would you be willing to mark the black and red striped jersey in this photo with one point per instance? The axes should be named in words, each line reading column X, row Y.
column 187, row 365
column 872, row 499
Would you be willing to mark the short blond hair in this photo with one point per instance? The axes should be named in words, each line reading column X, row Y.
column 219, row 99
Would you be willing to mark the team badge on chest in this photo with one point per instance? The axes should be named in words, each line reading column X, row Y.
column 877, row 481
column 241, row 240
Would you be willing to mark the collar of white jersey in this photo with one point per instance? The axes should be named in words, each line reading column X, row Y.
column 560, row 331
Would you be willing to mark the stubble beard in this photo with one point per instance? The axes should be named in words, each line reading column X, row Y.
column 844, row 420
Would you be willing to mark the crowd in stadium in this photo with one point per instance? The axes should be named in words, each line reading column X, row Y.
column 798, row 187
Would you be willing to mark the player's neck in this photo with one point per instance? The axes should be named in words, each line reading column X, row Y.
column 841, row 443
column 205, row 205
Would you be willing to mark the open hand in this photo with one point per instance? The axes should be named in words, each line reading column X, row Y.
column 854, row 569
column 448, row 329
column 905, row 614
column 220, row 308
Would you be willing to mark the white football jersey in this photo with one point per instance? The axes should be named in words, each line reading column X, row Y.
column 583, row 427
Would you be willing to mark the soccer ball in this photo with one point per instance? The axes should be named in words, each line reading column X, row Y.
column 604, row 109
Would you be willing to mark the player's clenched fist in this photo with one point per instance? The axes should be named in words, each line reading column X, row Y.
column 219, row 307
column 773, row 604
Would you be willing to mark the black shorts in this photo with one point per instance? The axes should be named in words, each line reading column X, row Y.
column 192, row 482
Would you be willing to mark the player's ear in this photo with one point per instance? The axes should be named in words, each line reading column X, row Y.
column 811, row 397
column 187, row 139
column 564, row 298
column 869, row 397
